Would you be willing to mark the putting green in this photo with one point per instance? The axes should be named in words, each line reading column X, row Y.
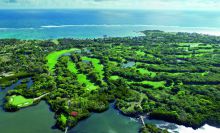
column 20, row 101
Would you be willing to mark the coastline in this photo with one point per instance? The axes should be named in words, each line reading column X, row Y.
column 95, row 31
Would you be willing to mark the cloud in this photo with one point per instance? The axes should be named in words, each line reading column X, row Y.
column 115, row 4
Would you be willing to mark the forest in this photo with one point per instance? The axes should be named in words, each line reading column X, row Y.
column 166, row 76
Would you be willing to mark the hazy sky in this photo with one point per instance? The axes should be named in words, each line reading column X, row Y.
column 114, row 4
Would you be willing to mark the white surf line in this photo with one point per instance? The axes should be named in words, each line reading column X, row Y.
column 125, row 25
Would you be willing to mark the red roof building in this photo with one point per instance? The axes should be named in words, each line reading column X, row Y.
column 74, row 114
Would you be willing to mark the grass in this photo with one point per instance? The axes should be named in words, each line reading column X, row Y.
column 205, row 46
column 140, row 53
column 53, row 57
column 205, row 50
column 145, row 71
column 189, row 44
column 205, row 73
column 72, row 67
column 113, row 63
column 81, row 78
column 20, row 101
column 150, row 55
column 154, row 83
column 55, row 41
column 98, row 68
column 63, row 118
column 114, row 77
column 184, row 56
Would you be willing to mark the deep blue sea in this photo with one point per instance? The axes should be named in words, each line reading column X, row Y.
column 50, row 24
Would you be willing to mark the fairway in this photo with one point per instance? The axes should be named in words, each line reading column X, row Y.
column 154, row 83
column 63, row 118
column 145, row 71
column 53, row 57
column 97, row 66
column 81, row 78
column 114, row 77
column 140, row 53
column 72, row 67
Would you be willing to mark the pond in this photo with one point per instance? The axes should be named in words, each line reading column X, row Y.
column 128, row 64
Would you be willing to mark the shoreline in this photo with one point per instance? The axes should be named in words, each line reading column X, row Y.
column 183, row 127
column 97, row 31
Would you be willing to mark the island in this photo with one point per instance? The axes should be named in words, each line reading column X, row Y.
column 163, row 75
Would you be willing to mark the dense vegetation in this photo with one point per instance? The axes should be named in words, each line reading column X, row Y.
column 169, row 76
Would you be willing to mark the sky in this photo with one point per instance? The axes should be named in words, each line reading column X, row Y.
column 112, row 4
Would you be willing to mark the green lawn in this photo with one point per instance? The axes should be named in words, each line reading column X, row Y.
column 53, row 57
column 113, row 63
column 140, row 53
column 20, row 101
column 184, row 56
column 189, row 44
column 205, row 50
column 83, row 80
column 150, row 55
column 72, row 67
column 97, row 66
column 63, row 118
column 145, row 71
column 154, row 83
column 114, row 77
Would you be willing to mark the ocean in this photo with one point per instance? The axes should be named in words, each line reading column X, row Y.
column 81, row 24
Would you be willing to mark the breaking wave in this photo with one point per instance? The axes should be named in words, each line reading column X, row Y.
column 203, row 30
